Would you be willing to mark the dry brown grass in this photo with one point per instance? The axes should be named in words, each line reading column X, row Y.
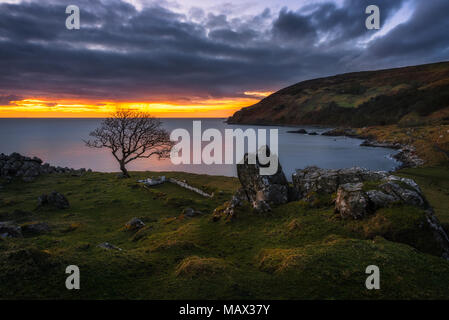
column 431, row 142
column 195, row 266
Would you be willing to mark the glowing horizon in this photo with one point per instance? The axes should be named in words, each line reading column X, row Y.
column 54, row 108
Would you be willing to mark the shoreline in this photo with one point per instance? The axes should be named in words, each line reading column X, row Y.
column 406, row 155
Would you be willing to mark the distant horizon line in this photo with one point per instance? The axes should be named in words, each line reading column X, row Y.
column 78, row 118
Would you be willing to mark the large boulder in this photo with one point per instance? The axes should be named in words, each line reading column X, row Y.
column 352, row 201
column 262, row 191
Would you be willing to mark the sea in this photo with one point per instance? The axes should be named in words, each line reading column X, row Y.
column 60, row 143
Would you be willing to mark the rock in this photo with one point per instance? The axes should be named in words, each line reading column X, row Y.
column 313, row 134
column 408, row 157
column 438, row 232
column 300, row 131
column 10, row 230
column 28, row 179
column 108, row 246
column 351, row 201
column 36, row 228
column 134, row 224
column 16, row 165
column 405, row 195
column 261, row 206
column 190, row 213
column 377, row 144
column 229, row 210
column 380, row 199
column 153, row 181
column 340, row 132
column 314, row 179
column 273, row 190
column 54, row 199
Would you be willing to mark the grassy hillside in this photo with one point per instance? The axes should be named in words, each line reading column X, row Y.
column 297, row 252
column 408, row 96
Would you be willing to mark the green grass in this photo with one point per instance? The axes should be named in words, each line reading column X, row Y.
column 434, row 181
column 296, row 252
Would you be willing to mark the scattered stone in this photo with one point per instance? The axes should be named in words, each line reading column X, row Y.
column 153, row 181
column 108, row 246
column 134, row 224
column 54, row 199
column 9, row 229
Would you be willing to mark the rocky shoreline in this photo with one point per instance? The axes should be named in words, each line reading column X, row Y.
column 407, row 155
column 28, row 169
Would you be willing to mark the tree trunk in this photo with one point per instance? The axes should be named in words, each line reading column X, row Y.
column 124, row 171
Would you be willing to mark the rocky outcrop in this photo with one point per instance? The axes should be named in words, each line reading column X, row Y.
column 354, row 198
column 408, row 157
column 262, row 191
column 27, row 168
column 54, row 199
column 360, row 193
column 354, row 201
column 317, row 180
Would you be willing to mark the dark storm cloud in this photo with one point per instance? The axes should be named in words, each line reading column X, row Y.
column 7, row 99
column 123, row 53
column 425, row 35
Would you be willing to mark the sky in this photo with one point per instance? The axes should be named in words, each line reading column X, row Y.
column 198, row 58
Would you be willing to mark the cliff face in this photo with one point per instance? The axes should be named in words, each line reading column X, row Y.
column 357, row 99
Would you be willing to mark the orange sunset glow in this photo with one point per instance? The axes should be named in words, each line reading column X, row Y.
column 54, row 108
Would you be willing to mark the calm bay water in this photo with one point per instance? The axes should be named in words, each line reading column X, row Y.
column 59, row 142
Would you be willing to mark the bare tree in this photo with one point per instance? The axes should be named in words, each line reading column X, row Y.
column 131, row 135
